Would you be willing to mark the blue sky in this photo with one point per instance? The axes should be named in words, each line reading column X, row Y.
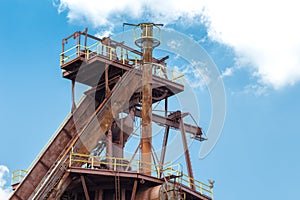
column 257, row 155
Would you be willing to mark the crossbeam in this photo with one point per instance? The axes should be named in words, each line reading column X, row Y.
column 163, row 121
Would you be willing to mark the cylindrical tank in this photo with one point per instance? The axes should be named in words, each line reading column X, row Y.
column 165, row 191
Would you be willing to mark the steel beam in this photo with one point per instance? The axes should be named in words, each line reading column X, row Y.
column 163, row 121
column 134, row 190
column 86, row 193
column 187, row 155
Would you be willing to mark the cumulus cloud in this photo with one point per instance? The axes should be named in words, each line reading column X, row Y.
column 4, row 190
column 227, row 72
column 256, row 89
column 264, row 34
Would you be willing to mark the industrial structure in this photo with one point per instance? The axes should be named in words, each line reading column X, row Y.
column 85, row 159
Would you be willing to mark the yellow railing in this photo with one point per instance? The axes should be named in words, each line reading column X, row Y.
column 200, row 187
column 155, row 35
column 164, row 72
column 122, row 164
column 98, row 48
column 121, row 55
column 112, row 163
column 18, row 176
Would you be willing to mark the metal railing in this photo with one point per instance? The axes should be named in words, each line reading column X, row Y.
column 122, row 164
column 154, row 35
column 118, row 54
column 112, row 163
column 167, row 73
column 200, row 187
column 113, row 54
column 18, row 176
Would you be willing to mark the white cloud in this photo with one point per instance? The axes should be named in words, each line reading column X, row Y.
column 105, row 33
column 4, row 190
column 264, row 34
column 227, row 72
column 99, row 13
column 256, row 89
column 196, row 74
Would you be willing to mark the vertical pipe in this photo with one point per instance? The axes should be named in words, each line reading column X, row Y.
column 146, row 139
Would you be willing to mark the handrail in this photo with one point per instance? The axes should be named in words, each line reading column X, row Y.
column 120, row 164
column 98, row 48
column 18, row 176
column 164, row 72
column 118, row 54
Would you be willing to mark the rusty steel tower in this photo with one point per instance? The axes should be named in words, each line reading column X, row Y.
column 86, row 157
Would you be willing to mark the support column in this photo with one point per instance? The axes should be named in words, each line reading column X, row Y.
column 73, row 96
column 134, row 190
column 123, row 194
column 86, row 193
column 99, row 194
column 146, row 139
column 165, row 141
column 107, row 90
column 187, row 155
column 109, row 148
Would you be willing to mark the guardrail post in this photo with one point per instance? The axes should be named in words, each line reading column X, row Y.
column 123, row 58
column 93, row 162
column 201, row 188
column 70, row 160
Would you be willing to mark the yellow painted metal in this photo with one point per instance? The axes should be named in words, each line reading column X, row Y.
column 155, row 36
column 168, row 73
column 98, row 49
column 168, row 169
column 158, row 69
column 18, row 176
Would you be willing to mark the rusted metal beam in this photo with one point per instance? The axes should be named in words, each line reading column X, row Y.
column 134, row 189
column 73, row 96
column 146, row 139
column 164, row 148
column 123, row 194
column 86, row 193
column 163, row 121
column 99, row 194
column 109, row 148
column 107, row 90
column 136, row 150
column 58, row 191
column 187, row 155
